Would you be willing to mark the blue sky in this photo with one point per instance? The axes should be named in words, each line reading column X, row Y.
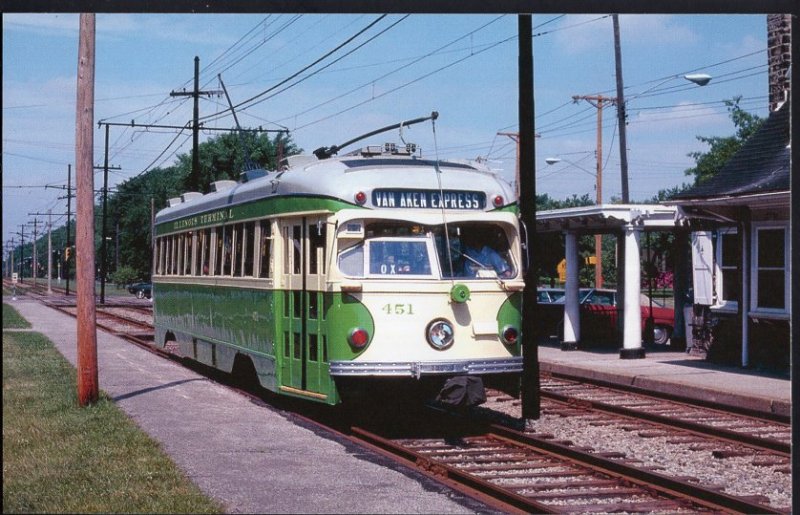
column 463, row 66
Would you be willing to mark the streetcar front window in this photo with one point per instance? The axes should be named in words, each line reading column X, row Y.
column 477, row 250
column 387, row 257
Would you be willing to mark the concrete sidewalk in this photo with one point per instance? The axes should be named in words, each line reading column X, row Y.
column 250, row 458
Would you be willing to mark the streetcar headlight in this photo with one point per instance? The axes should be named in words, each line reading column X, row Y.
column 509, row 335
column 440, row 334
column 358, row 338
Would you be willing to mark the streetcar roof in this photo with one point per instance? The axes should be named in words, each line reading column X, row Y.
column 340, row 178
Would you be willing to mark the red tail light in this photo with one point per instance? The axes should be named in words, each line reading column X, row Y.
column 510, row 335
column 358, row 338
column 498, row 200
column 360, row 197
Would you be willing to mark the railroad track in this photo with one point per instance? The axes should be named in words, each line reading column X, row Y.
column 516, row 471
column 757, row 431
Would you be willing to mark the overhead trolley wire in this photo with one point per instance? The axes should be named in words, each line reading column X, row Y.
column 317, row 61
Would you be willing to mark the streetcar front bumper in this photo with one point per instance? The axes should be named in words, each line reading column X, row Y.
column 426, row 368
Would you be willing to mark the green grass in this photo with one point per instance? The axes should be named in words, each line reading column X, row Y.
column 59, row 458
column 12, row 319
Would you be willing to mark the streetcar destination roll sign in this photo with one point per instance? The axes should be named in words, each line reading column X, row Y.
column 428, row 199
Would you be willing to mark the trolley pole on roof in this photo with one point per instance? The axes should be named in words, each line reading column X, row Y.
column 527, row 204
column 88, row 388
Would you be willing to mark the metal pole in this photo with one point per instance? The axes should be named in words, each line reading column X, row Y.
column 103, row 246
column 623, row 144
column 88, row 388
column 33, row 250
column 69, row 217
column 531, row 402
column 49, row 252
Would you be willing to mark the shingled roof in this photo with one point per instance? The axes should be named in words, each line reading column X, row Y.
column 760, row 166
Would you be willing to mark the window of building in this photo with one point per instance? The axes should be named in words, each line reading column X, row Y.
column 770, row 269
column 729, row 262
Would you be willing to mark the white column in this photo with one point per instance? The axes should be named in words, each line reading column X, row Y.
column 572, row 319
column 632, row 332
column 744, row 234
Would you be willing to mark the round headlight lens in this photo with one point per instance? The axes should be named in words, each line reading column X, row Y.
column 440, row 334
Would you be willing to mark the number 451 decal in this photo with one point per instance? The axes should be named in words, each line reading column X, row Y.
column 398, row 309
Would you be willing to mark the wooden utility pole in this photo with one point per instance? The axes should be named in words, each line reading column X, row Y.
column 598, row 101
column 515, row 138
column 88, row 388
column 529, row 387
column 34, row 263
column 194, row 180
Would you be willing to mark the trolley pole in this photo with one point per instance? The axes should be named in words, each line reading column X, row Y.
column 531, row 402
column 88, row 388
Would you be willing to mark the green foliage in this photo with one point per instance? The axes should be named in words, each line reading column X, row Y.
column 723, row 148
column 61, row 458
column 124, row 275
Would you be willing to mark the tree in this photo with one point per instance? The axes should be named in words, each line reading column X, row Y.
column 723, row 148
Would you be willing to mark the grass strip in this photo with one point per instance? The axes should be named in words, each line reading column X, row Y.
column 59, row 458
column 12, row 319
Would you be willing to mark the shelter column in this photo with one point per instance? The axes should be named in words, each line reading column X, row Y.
column 572, row 320
column 632, row 332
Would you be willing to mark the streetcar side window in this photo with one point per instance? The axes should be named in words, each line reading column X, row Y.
column 249, row 248
column 236, row 252
column 218, row 251
column 265, row 247
column 205, row 255
column 316, row 239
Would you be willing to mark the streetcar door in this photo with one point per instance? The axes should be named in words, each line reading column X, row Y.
column 292, row 328
column 304, row 351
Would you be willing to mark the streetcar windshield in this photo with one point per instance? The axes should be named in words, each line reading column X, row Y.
column 476, row 250
column 405, row 250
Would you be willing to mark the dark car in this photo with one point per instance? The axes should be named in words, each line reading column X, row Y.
column 599, row 315
column 549, row 295
column 141, row 290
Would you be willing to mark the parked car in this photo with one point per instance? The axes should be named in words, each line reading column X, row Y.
column 141, row 290
column 599, row 315
column 549, row 295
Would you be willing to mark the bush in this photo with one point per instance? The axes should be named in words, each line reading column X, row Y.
column 124, row 275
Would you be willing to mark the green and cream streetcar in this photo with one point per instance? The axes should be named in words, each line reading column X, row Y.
column 339, row 274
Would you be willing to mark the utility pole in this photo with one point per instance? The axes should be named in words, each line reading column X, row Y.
column 88, row 388
column 34, row 262
column 49, row 252
column 623, row 144
column 69, row 218
column 22, row 253
column 514, row 136
column 195, row 94
column 529, row 382
column 599, row 102
column 103, row 245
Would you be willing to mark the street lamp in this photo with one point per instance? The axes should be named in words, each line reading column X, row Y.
column 598, row 238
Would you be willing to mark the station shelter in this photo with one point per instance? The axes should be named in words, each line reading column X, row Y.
column 628, row 222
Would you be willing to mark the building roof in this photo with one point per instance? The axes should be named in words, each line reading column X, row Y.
column 760, row 166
